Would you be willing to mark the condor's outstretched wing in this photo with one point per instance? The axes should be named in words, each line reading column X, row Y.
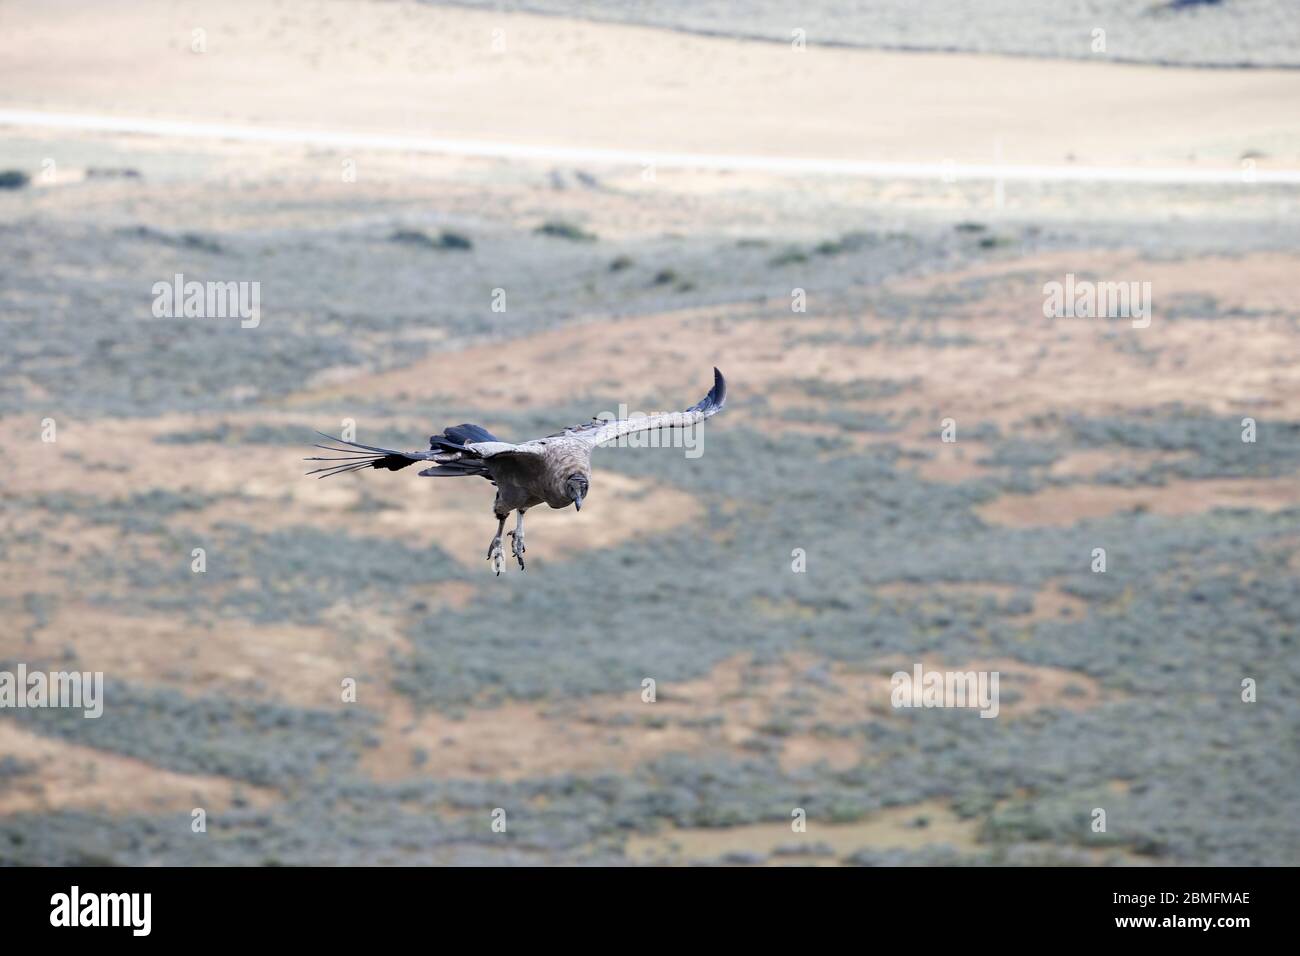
column 599, row 431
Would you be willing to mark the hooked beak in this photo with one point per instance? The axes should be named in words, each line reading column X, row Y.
column 577, row 504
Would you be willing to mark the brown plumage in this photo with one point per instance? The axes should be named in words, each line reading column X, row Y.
column 555, row 470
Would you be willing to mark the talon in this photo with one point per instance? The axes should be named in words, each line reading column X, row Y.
column 494, row 556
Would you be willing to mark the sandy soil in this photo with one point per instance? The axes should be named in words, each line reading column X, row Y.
column 1061, row 507
column 563, row 82
column 68, row 776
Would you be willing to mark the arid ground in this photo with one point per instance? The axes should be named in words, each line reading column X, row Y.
column 826, row 537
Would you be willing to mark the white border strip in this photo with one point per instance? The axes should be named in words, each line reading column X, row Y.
column 623, row 157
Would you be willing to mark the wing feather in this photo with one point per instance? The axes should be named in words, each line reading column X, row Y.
column 599, row 431
column 497, row 449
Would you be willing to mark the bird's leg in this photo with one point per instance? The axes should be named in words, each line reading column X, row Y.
column 494, row 549
column 517, row 539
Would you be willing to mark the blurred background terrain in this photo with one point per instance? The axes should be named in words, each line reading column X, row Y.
column 625, row 283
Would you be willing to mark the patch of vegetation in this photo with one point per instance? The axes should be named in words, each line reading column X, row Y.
column 1208, row 446
column 185, row 240
column 257, row 741
column 112, row 172
column 11, row 766
column 13, row 179
column 445, row 240
column 849, row 242
column 995, row 242
column 1022, row 454
column 311, row 567
column 856, row 390
column 847, row 419
column 559, row 229
column 791, row 256
column 228, row 434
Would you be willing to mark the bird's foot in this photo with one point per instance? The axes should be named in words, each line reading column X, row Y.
column 494, row 556
column 517, row 547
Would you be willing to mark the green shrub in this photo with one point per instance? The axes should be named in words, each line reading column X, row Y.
column 13, row 179
column 559, row 229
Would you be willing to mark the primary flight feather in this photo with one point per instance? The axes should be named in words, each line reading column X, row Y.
column 555, row 470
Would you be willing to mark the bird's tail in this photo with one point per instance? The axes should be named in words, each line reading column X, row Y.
column 353, row 457
column 450, row 456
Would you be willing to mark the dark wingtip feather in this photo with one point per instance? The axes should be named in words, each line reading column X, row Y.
column 717, row 397
column 353, row 444
column 331, row 470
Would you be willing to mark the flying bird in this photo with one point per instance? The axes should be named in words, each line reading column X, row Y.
column 555, row 470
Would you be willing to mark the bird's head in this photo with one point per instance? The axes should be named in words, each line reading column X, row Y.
column 576, row 488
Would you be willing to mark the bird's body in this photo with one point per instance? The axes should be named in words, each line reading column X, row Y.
column 555, row 470
column 525, row 481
